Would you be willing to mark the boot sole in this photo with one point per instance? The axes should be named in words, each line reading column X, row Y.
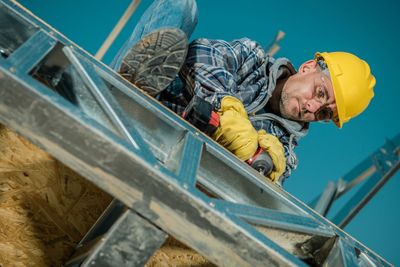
column 155, row 60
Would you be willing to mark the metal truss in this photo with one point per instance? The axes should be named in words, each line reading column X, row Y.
column 167, row 178
column 373, row 172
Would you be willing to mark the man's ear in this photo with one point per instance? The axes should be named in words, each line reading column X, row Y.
column 308, row 66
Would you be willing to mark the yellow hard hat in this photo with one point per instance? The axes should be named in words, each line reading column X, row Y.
column 352, row 83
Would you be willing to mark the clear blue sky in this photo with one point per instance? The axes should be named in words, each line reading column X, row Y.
column 369, row 29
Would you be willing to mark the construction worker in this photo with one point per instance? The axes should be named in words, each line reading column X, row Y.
column 234, row 91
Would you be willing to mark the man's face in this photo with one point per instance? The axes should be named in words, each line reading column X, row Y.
column 308, row 95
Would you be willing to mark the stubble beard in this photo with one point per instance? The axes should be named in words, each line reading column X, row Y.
column 282, row 105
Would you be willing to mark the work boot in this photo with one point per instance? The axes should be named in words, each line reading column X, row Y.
column 155, row 60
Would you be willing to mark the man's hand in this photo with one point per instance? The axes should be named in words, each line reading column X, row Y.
column 235, row 131
column 274, row 148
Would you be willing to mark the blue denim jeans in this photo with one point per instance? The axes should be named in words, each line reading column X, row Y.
column 180, row 14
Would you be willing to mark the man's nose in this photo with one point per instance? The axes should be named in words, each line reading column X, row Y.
column 312, row 105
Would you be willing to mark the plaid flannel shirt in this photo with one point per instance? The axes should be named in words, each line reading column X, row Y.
column 241, row 68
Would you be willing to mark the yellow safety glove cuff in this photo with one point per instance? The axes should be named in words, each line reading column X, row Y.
column 235, row 131
column 274, row 148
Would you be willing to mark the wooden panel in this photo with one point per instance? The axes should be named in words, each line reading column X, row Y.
column 173, row 253
column 45, row 207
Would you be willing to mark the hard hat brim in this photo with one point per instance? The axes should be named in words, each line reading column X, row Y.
column 336, row 89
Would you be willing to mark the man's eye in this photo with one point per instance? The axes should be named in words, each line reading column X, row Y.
column 320, row 93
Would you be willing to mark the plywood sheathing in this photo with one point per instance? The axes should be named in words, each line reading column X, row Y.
column 175, row 254
column 45, row 207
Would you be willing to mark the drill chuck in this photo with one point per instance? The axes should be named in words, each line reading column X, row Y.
column 261, row 162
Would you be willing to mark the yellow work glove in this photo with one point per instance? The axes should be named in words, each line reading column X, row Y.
column 274, row 148
column 235, row 131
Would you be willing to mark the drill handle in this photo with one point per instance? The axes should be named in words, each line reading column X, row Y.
column 202, row 115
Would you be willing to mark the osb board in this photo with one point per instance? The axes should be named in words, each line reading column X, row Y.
column 45, row 207
column 175, row 254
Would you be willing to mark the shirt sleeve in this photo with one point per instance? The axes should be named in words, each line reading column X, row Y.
column 216, row 68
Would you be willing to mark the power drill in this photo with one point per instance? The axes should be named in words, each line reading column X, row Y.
column 261, row 162
column 201, row 114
